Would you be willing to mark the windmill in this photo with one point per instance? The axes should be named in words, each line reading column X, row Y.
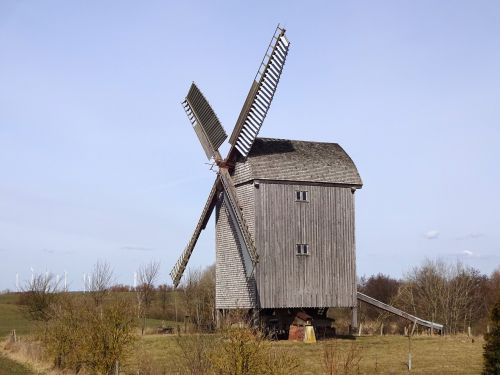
column 261, row 264
column 285, row 239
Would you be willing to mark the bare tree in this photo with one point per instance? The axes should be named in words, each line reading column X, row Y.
column 100, row 281
column 38, row 296
column 199, row 297
column 147, row 276
column 164, row 290
column 449, row 293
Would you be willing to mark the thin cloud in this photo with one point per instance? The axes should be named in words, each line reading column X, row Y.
column 469, row 253
column 136, row 248
column 473, row 236
column 432, row 234
column 52, row 251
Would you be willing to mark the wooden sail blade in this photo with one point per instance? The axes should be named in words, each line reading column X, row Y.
column 180, row 265
column 261, row 94
column 204, row 120
column 231, row 202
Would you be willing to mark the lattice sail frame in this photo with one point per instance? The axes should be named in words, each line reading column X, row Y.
column 211, row 135
column 205, row 122
column 261, row 93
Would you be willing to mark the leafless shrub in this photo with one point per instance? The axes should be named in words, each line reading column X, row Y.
column 281, row 362
column 38, row 295
column 240, row 351
column 61, row 335
column 109, row 335
column 199, row 298
column 100, row 281
column 236, row 351
column 452, row 294
column 81, row 335
column 195, row 353
column 341, row 362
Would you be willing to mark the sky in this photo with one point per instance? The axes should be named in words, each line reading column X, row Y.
column 98, row 161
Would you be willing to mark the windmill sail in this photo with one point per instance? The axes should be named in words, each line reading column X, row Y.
column 180, row 265
column 204, row 120
column 231, row 202
column 261, row 94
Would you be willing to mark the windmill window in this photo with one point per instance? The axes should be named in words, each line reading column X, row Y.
column 302, row 249
column 302, row 196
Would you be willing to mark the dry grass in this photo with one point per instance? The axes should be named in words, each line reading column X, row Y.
column 158, row 354
column 379, row 355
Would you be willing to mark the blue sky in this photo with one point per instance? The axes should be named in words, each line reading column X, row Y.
column 98, row 162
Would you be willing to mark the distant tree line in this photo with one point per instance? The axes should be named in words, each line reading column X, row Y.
column 452, row 294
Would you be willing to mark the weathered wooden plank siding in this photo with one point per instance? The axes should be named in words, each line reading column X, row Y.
column 326, row 277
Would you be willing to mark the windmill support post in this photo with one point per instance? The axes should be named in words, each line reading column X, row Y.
column 354, row 320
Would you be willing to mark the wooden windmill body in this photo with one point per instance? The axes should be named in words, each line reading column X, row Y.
column 284, row 209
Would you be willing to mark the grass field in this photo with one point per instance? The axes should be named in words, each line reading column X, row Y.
column 379, row 355
column 11, row 317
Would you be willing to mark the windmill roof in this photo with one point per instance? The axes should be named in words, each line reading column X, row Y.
column 289, row 160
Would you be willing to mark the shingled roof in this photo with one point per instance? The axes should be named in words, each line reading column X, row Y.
column 287, row 160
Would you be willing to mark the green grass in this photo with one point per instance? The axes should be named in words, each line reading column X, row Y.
column 10, row 367
column 9, row 298
column 11, row 317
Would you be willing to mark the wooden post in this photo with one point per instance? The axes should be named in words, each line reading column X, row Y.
column 468, row 331
column 409, row 352
column 382, row 329
column 117, row 368
column 354, row 319
column 360, row 328
column 406, row 331
column 218, row 319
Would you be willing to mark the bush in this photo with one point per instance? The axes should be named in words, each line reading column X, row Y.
column 338, row 362
column 83, row 335
column 236, row 351
column 492, row 345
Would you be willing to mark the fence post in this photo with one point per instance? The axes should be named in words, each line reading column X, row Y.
column 468, row 331
column 117, row 367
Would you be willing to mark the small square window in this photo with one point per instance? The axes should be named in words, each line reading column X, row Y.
column 301, row 196
column 302, row 249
